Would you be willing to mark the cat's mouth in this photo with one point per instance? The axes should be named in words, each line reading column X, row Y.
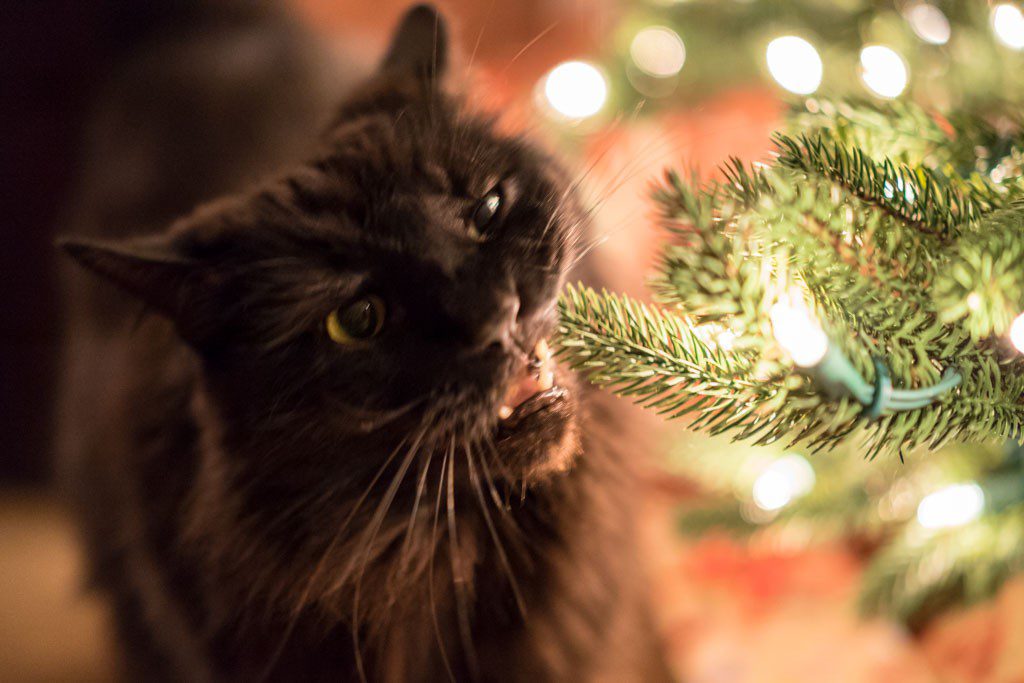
column 536, row 432
column 535, row 377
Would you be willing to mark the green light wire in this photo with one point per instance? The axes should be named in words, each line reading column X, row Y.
column 836, row 371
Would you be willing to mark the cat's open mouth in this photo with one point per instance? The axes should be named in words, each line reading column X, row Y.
column 536, row 377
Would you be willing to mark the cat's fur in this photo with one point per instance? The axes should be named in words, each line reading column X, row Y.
column 260, row 502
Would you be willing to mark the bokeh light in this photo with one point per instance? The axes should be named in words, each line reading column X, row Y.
column 952, row 506
column 575, row 90
column 1017, row 332
column 929, row 23
column 658, row 51
column 787, row 478
column 1008, row 25
column 794, row 64
column 883, row 71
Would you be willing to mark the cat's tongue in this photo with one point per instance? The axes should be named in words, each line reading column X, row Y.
column 537, row 376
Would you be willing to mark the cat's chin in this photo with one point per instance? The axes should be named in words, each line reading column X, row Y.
column 540, row 437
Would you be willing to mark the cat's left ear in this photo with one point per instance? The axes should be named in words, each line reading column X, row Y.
column 152, row 268
column 419, row 46
column 160, row 271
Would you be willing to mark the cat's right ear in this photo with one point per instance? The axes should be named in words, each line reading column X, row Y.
column 419, row 46
column 153, row 268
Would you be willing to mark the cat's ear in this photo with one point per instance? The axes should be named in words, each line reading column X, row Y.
column 159, row 271
column 419, row 46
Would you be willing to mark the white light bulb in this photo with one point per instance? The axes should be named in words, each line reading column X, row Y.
column 658, row 51
column 1008, row 25
column 883, row 71
column 1017, row 332
column 952, row 506
column 789, row 477
column 798, row 333
column 795, row 64
column 576, row 90
column 906, row 189
column 929, row 23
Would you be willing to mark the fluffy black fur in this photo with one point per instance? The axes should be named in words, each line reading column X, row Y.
column 264, row 503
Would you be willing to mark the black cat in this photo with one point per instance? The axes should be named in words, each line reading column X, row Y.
column 341, row 449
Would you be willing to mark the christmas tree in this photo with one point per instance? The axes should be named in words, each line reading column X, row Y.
column 864, row 289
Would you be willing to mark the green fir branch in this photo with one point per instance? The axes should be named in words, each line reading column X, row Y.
column 921, row 572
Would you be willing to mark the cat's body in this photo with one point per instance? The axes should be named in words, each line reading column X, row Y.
column 261, row 502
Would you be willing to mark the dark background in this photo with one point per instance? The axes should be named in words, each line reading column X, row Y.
column 53, row 55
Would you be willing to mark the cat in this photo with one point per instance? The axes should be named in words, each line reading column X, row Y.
column 337, row 445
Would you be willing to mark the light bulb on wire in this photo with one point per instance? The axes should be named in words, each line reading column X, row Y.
column 794, row 64
column 798, row 332
column 883, row 71
column 575, row 90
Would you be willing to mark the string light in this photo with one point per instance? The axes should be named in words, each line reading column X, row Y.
column 1008, row 25
column 787, row 478
column 794, row 64
column 798, row 332
column 1017, row 332
column 903, row 187
column 658, row 51
column 575, row 90
column 715, row 335
column 883, row 71
column 954, row 505
column 929, row 23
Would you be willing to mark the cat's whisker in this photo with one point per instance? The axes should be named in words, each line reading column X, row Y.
column 479, row 36
column 371, row 534
column 307, row 589
column 459, row 578
column 499, row 547
column 430, row 583
column 411, row 526
column 528, row 45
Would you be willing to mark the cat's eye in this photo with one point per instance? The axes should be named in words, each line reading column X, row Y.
column 356, row 321
column 486, row 211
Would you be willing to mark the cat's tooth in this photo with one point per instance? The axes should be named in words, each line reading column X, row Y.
column 546, row 380
column 542, row 351
column 505, row 412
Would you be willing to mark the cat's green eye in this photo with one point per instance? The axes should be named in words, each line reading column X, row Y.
column 485, row 212
column 356, row 321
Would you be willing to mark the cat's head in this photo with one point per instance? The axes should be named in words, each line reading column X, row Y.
column 395, row 292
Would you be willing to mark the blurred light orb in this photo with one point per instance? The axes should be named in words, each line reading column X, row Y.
column 929, row 23
column 954, row 505
column 798, row 333
column 794, row 64
column 658, row 51
column 576, row 90
column 1008, row 25
column 883, row 71
column 1017, row 332
column 789, row 477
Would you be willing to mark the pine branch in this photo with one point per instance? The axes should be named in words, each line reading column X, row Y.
column 921, row 572
column 984, row 285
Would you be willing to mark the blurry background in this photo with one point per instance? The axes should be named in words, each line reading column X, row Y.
column 760, row 554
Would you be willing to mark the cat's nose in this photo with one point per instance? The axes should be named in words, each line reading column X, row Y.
column 495, row 325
